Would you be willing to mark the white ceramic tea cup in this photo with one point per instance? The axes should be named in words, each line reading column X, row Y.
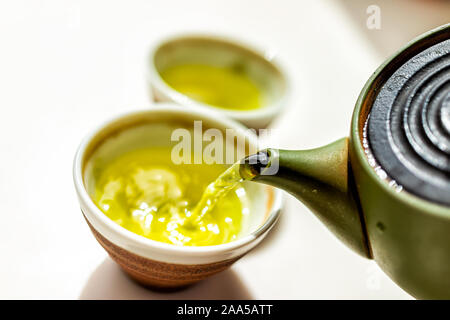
column 262, row 68
column 151, row 262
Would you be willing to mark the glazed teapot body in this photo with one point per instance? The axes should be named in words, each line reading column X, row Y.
column 406, row 230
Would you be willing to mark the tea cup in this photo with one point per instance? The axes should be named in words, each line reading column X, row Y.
column 150, row 262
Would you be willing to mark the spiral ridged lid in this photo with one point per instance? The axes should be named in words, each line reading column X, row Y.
column 409, row 124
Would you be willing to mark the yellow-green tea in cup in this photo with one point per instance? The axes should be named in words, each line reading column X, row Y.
column 145, row 192
column 224, row 87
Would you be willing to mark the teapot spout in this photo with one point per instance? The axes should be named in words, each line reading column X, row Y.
column 321, row 179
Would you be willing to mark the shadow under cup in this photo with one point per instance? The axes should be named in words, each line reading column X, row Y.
column 150, row 262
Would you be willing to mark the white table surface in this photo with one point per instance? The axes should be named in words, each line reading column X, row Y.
column 65, row 66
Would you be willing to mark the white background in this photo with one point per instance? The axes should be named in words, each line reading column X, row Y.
column 65, row 66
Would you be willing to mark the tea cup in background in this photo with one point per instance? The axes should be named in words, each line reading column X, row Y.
column 264, row 71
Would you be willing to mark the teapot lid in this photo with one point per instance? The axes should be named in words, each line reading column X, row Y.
column 409, row 124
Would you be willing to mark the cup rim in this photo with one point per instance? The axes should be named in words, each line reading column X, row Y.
column 267, row 112
column 405, row 197
column 107, row 227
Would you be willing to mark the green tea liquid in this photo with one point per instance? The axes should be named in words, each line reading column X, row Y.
column 144, row 192
column 224, row 87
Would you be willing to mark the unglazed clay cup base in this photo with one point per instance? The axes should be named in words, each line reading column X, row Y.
column 265, row 71
column 150, row 262
column 158, row 275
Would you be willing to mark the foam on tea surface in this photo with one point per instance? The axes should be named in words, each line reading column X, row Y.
column 143, row 191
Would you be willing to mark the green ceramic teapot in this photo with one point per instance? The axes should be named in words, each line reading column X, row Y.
column 385, row 190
